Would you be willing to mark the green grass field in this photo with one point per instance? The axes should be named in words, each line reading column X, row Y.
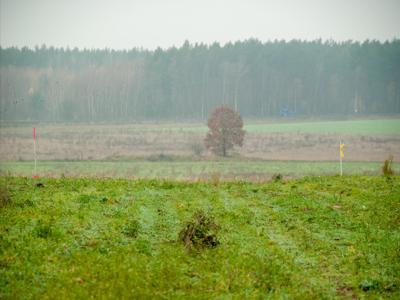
column 356, row 127
column 350, row 127
column 310, row 238
column 178, row 170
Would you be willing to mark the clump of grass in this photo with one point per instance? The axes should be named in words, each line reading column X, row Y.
column 277, row 177
column 43, row 230
column 132, row 229
column 215, row 178
column 368, row 285
column 387, row 169
column 160, row 157
column 5, row 197
column 143, row 247
column 201, row 231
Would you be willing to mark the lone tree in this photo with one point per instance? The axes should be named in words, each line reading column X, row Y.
column 226, row 130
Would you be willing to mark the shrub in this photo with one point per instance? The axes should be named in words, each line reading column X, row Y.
column 387, row 166
column 200, row 231
column 277, row 177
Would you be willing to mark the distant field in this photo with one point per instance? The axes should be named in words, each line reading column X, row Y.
column 365, row 140
column 357, row 127
column 192, row 170
column 313, row 238
column 351, row 127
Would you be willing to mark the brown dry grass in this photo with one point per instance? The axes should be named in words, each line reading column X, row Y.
column 120, row 142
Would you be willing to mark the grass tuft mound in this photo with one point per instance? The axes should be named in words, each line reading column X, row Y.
column 277, row 177
column 200, row 231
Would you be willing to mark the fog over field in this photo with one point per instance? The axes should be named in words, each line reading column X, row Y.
column 176, row 62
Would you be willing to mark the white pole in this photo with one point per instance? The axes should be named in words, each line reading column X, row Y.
column 34, row 152
column 340, row 157
column 34, row 149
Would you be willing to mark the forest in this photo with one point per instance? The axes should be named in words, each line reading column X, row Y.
column 259, row 79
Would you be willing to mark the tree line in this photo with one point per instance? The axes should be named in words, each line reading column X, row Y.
column 261, row 80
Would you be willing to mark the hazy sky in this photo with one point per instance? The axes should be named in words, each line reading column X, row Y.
column 122, row 24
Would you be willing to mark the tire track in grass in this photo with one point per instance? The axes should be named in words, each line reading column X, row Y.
column 321, row 242
column 157, row 215
column 257, row 223
column 308, row 267
column 167, row 219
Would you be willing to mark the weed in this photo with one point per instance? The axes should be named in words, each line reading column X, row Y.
column 387, row 169
column 200, row 231
column 43, row 230
column 277, row 177
column 132, row 229
column 368, row 285
column 215, row 178
column 86, row 198
column 5, row 197
column 143, row 247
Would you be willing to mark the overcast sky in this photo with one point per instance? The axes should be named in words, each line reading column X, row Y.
column 123, row 24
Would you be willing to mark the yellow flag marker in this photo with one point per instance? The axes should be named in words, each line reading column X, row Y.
column 341, row 150
column 341, row 154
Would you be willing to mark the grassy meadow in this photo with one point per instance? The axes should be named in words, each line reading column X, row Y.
column 346, row 127
column 366, row 140
column 379, row 126
column 310, row 238
column 229, row 169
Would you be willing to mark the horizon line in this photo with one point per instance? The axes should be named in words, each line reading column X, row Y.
column 205, row 44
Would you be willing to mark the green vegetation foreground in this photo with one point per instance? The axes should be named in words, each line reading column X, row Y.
column 229, row 169
column 316, row 237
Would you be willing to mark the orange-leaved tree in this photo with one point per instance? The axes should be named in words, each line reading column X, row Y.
column 225, row 130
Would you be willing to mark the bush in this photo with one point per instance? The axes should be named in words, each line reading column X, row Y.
column 201, row 231
column 387, row 166
column 277, row 177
